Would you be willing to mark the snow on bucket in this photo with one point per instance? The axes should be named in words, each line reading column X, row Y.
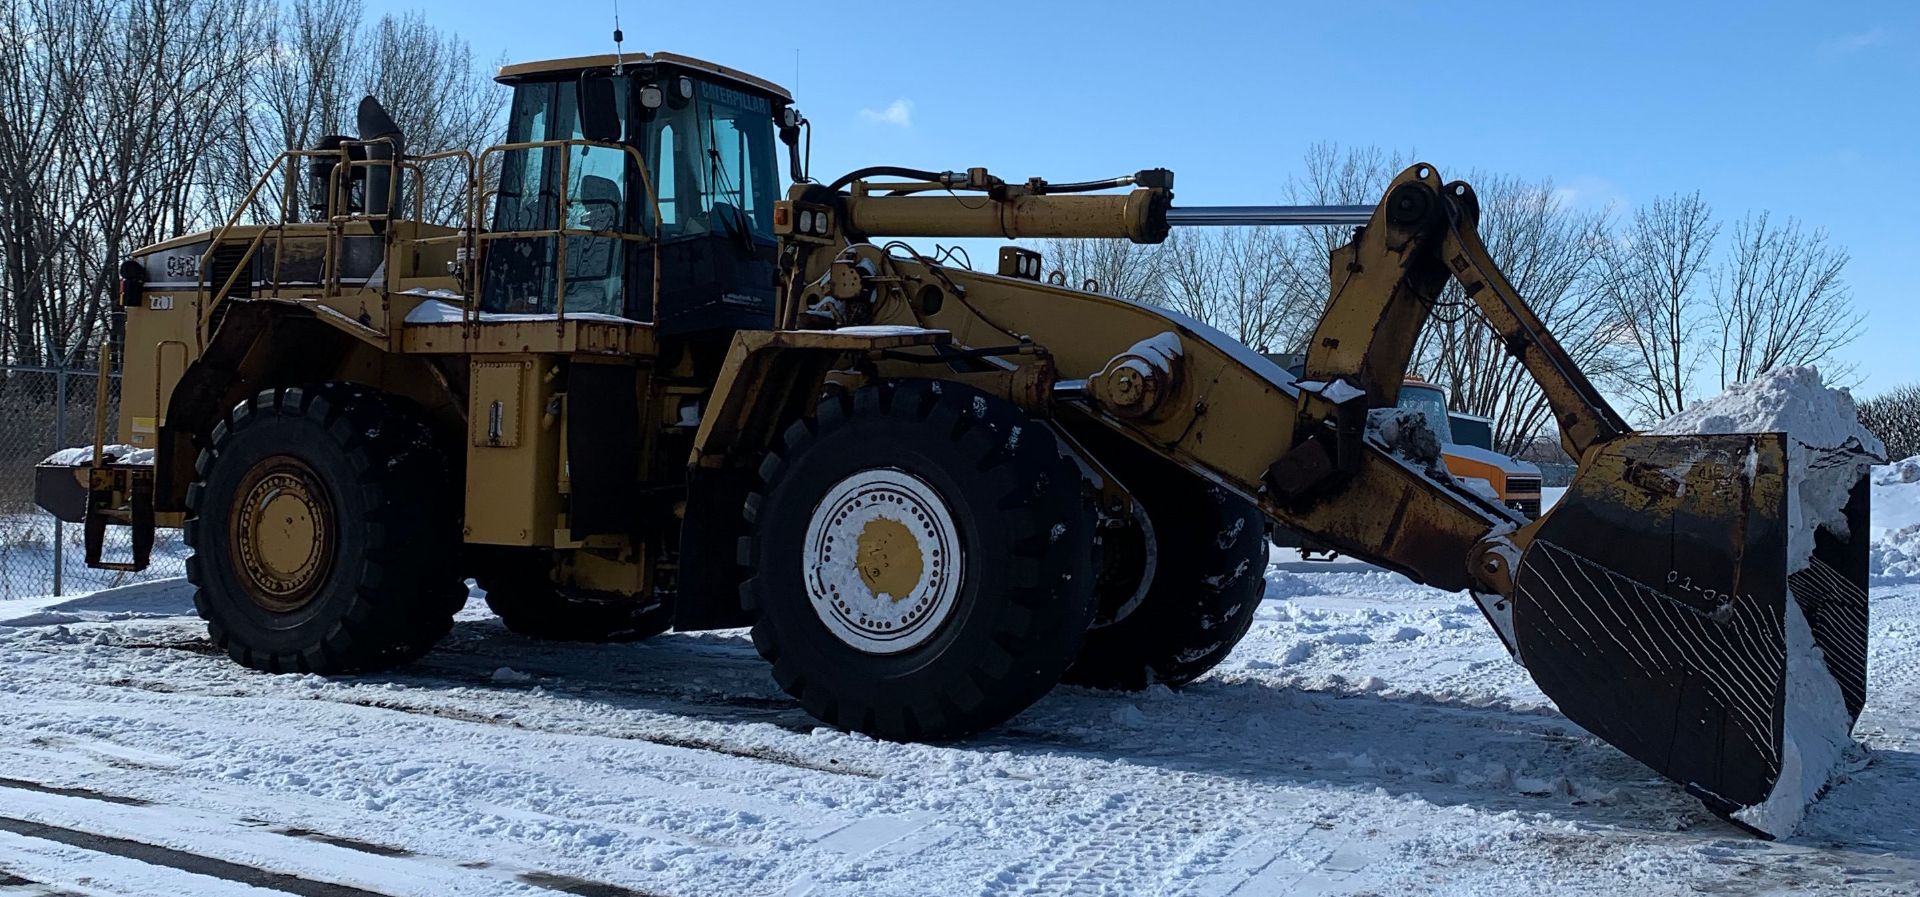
column 1698, row 597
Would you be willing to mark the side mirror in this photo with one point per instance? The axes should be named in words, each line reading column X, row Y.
column 599, row 110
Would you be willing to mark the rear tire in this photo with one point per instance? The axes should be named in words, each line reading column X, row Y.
column 324, row 528
column 950, row 499
column 527, row 600
column 1209, row 552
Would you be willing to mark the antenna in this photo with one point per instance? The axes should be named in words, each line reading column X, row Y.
column 619, row 59
column 796, row 71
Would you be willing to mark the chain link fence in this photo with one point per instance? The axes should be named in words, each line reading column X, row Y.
column 43, row 410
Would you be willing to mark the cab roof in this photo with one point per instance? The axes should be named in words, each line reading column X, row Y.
column 523, row 70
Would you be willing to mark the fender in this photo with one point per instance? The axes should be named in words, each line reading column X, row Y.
column 769, row 379
column 260, row 344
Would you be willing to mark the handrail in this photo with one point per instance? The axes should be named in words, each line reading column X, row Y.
column 562, row 200
column 470, row 234
column 345, row 164
column 203, row 313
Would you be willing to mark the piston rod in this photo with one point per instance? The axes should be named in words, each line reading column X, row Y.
column 1254, row 216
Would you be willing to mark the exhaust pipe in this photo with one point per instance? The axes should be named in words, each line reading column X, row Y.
column 376, row 124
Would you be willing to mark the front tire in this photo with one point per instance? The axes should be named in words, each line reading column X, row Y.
column 919, row 557
column 324, row 527
column 1204, row 580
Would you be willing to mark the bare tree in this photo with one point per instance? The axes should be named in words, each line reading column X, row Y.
column 123, row 122
column 326, row 57
column 302, row 88
column 103, row 146
column 1552, row 255
column 1264, row 286
column 429, row 81
column 1114, row 267
column 1650, row 276
column 1233, row 280
column 1333, row 175
column 1781, row 299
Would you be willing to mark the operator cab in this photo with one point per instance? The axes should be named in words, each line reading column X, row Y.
column 573, row 224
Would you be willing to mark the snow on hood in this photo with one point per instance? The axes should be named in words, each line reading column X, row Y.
column 1821, row 426
column 434, row 311
column 1492, row 459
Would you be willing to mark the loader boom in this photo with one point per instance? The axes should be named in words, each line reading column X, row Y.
column 1598, row 597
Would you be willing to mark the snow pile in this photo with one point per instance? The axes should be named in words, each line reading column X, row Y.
column 1895, row 526
column 1818, row 422
column 1895, row 558
column 1896, row 497
column 1827, row 454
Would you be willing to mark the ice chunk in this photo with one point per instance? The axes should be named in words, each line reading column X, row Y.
column 1896, row 558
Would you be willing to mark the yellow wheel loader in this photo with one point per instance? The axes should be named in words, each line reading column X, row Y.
column 633, row 386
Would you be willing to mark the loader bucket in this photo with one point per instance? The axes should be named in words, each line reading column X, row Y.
column 1651, row 606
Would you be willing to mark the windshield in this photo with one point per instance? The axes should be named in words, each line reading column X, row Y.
column 717, row 168
column 524, row 268
column 1432, row 405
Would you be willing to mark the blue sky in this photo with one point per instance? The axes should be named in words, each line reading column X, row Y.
column 1808, row 109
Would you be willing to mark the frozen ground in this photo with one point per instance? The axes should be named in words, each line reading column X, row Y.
column 1369, row 737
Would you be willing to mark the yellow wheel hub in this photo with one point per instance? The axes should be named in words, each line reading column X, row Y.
column 889, row 558
column 283, row 534
column 881, row 560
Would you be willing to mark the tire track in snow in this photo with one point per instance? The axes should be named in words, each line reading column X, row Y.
column 179, row 859
column 14, row 884
column 685, row 708
column 423, row 873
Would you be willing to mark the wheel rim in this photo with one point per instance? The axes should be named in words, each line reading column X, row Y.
column 1148, row 558
column 882, row 561
column 282, row 531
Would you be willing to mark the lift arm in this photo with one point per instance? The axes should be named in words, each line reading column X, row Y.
column 1601, row 598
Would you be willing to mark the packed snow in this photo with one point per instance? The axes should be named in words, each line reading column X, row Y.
column 1828, row 452
column 112, row 454
column 1821, row 425
column 1369, row 736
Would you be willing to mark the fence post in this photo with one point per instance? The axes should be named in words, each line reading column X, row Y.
column 59, row 442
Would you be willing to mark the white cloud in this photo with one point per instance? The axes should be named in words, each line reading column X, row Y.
column 1855, row 42
column 898, row 113
column 1590, row 193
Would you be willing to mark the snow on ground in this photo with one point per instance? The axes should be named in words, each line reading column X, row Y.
column 1895, row 524
column 1370, row 736
column 28, row 557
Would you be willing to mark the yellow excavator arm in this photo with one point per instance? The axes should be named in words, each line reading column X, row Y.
column 1585, row 596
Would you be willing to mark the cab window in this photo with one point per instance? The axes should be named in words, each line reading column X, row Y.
column 522, row 271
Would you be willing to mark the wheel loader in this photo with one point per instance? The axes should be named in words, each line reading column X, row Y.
column 631, row 385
